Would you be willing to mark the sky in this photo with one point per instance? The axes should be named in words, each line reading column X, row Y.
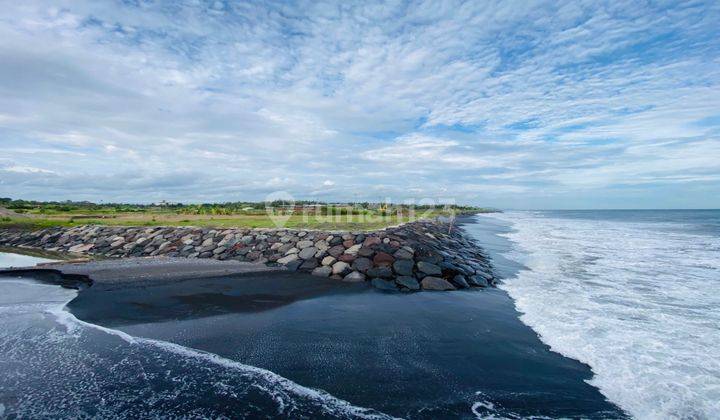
column 514, row 104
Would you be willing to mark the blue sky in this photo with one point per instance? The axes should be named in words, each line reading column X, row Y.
column 511, row 104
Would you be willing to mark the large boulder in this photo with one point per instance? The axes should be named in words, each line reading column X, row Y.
column 287, row 259
column 362, row 264
column 355, row 276
column 366, row 252
column 303, row 244
column 460, row 281
column 404, row 267
column 436, row 283
column 347, row 258
column 336, row 250
column 383, row 284
column 384, row 272
column 371, row 240
column 353, row 250
column 383, row 259
column 403, row 254
column 478, row 281
column 294, row 265
column 340, row 267
column 323, row 271
column 407, row 282
column 429, row 268
column 307, row 252
column 309, row 264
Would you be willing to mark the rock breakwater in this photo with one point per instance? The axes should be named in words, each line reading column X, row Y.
column 422, row 255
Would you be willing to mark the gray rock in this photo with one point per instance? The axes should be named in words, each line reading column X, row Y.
column 303, row 244
column 366, row 252
column 307, row 252
column 353, row 250
column 287, row 259
column 487, row 276
column 459, row 281
column 320, row 254
column 383, row 284
column 436, row 283
column 384, row 272
column 329, row 260
column 451, row 268
column 408, row 282
column 206, row 248
column 336, row 250
column 403, row 254
column 362, row 264
column 478, row 281
column 309, row 264
column 323, row 271
column 355, row 276
column 404, row 267
column 429, row 269
column 340, row 267
column 293, row 265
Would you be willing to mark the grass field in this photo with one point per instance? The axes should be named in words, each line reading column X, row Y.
column 312, row 215
column 257, row 219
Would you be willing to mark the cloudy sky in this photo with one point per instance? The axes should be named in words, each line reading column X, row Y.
column 512, row 104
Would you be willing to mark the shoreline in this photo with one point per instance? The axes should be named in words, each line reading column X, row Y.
column 420, row 255
column 338, row 337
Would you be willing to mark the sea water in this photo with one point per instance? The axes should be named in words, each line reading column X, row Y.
column 8, row 259
column 54, row 365
column 634, row 294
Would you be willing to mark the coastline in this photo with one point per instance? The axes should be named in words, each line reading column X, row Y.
column 420, row 255
column 391, row 352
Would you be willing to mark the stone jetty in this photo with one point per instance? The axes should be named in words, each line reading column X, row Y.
column 422, row 255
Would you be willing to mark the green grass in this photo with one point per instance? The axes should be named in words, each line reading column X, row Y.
column 335, row 222
column 312, row 215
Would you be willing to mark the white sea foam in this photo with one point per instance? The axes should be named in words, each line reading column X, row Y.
column 639, row 303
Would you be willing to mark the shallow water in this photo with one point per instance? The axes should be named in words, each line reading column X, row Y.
column 57, row 366
column 634, row 294
column 16, row 260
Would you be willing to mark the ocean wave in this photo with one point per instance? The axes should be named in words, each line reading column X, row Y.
column 637, row 302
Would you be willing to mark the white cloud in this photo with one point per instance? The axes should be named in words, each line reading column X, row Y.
column 481, row 101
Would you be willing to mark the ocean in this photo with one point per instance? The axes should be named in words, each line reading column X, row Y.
column 599, row 315
column 633, row 294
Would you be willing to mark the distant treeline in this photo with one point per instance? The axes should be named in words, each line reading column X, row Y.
column 235, row 207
